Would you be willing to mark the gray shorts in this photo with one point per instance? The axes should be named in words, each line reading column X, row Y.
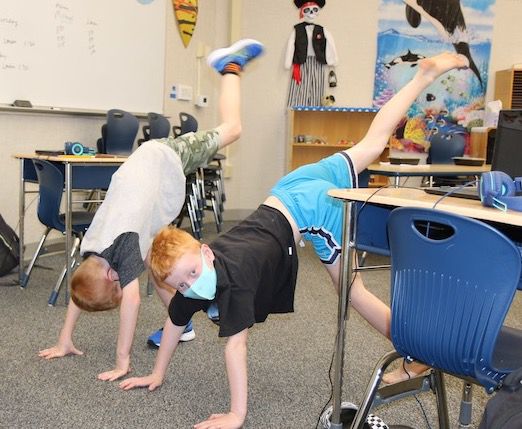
column 194, row 149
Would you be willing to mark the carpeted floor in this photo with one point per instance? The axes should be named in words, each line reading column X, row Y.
column 289, row 359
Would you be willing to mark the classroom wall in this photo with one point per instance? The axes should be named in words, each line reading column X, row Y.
column 258, row 159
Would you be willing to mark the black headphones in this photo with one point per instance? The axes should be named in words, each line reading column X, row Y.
column 498, row 189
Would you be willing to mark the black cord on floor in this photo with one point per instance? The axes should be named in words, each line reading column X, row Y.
column 415, row 396
column 331, row 383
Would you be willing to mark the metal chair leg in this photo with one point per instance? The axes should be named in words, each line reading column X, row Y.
column 150, row 287
column 56, row 290
column 216, row 214
column 440, row 395
column 371, row 390
column 466, row 406
column 25, row 278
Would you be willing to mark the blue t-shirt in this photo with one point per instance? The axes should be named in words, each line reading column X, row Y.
column 319, row 217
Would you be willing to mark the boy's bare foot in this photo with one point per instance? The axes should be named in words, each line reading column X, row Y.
column 433, row 67
column 404, row 372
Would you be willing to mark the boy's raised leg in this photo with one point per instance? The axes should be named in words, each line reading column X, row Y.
column 384, row 123
column 230, row 62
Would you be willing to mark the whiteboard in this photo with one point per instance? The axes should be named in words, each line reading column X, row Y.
column 88, row 54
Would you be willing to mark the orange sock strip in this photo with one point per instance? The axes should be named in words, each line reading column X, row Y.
column 232, row 68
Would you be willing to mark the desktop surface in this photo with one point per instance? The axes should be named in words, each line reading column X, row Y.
column 411, row 197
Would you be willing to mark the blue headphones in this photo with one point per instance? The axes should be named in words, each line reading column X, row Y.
column 498, row 189
column 76, row 148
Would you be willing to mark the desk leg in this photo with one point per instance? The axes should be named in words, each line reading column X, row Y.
column 21, row 220
column 68, row 224
column 397, row 181
column 342, row 312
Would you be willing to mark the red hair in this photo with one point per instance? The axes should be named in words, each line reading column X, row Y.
column 91, row 290
column 169, row 245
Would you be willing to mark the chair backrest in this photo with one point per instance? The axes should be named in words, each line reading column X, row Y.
column 187, row 124
column 443, row 147
column 50, row 190
column 119, row 132
column 453, row 281
column 159, row 126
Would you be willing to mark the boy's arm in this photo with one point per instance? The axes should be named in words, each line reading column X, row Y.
column 236, row 363
column 65, row 345
column 129, row 307
column 164, row 291
column 169, row 342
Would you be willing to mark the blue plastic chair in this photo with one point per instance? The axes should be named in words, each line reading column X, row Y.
column 158, row 127
column 118, row 133
column 51, row 183
column 187, row 124
column 453, row 280
column 444, row 147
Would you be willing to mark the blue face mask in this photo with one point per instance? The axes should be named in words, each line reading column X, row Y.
column 205, row 286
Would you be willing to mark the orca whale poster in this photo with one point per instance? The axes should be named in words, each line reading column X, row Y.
column 410, row 30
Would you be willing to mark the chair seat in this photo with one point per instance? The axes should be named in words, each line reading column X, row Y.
column 508, row 349
column 219, row 157
column 80, row 221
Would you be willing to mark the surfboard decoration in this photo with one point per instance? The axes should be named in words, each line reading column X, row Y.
column 186, row 13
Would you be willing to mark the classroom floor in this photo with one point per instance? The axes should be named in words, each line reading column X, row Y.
column 289, row 359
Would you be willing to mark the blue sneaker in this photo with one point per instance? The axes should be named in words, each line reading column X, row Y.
column 213, row 313
column 188, row 334
column 239, row 53
column 154, row 340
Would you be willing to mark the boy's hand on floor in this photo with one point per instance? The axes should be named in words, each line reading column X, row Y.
column 59, row 350
column 151, row 381
column 113, row 374
column 221, row 421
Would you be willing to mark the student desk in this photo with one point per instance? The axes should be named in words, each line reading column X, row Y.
column 80, row 172
column 391, row 197
column 432, row 170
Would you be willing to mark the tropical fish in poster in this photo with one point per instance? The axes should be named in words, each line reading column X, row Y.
column 186, row 14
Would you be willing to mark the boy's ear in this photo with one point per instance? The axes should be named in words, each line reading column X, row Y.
column 207, row 251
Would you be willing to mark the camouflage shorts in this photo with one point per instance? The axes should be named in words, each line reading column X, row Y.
column 194, row 149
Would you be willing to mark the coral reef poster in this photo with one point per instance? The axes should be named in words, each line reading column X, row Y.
column 410, row 30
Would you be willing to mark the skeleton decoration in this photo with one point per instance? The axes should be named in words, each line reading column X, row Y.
column 309, row 11
column 310, row 50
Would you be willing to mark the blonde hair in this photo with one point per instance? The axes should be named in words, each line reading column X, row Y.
column 91, row 290
column 169, row 245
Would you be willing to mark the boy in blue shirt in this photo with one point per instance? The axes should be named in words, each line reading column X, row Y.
column 250, row 271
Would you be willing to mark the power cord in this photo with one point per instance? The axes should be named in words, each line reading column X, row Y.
column 453, row 190
column 331, row 383
column 415, row 396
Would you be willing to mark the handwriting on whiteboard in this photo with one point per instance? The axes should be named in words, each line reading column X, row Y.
column 18, row 41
